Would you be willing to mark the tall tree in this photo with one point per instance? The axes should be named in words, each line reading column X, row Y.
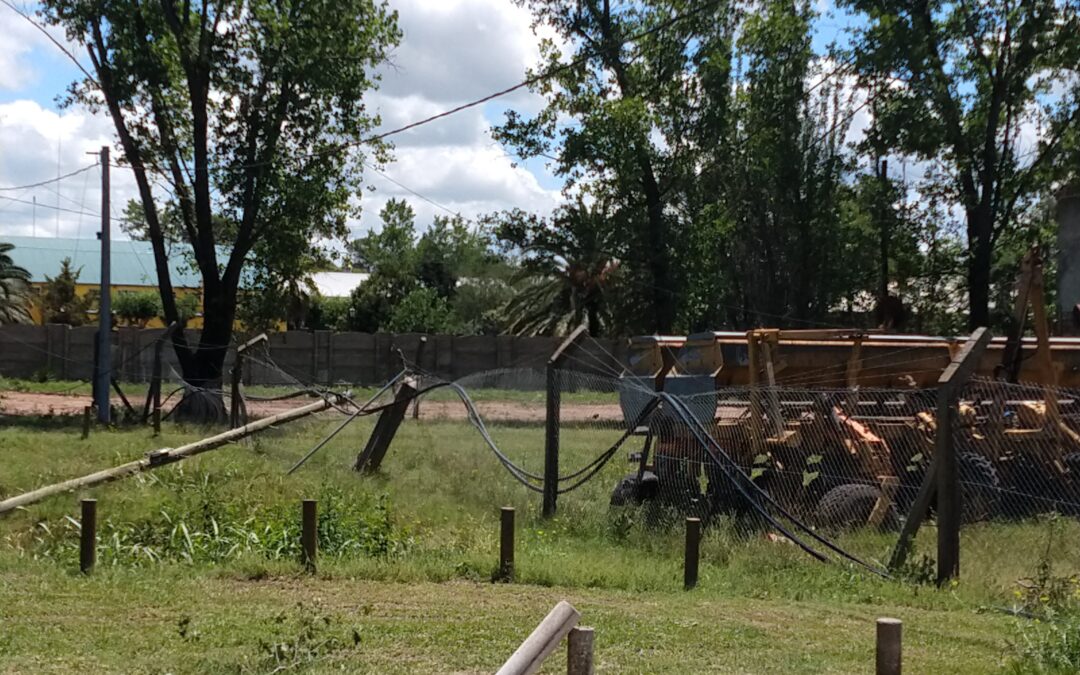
column 628, row 90
column 566, row 269
column 969, row 84
column 14, row 288
column 249, row 111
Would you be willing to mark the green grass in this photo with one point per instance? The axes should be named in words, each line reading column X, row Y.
column 136, row 391
column 413, row 580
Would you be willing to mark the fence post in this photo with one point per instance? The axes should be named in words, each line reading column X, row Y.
column 579, row 651
column 942, row 478
column 88, row 536
column 693, row 547
column 420, row 349
column 551, row 427
column 889, row 653
column 309, row 533
column 235, row 400
column 86, row 415
column 506, row 544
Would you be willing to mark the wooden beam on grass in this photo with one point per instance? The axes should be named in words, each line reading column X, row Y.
column 157, row 458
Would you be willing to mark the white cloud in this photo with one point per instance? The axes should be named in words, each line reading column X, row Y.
column 37, row 144
column 452, row 51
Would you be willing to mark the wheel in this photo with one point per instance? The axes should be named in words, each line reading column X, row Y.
column 849, row 506
column 979, row 487
column 631, row 490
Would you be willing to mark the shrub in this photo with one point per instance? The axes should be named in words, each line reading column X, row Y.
column 137, row 308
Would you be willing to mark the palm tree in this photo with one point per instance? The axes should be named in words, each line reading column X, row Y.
column 565, row 272
column 14, row 289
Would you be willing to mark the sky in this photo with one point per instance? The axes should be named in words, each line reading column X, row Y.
column 452, row 51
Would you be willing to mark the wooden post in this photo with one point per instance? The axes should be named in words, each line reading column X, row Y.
column 889, row 652
column 390, row 419
column 579, row 651
column 88, row 536
column 945, row 487
column 419, row 364
column 506, row 544
column 87, row 413
column 155, row 417
column 153, row 396
column 238, row 377
column 551, row 426
column 234, row 396
column 161, row 457
column 693, row 545
column 551, row 441
column 309, row 534
column 542, row 641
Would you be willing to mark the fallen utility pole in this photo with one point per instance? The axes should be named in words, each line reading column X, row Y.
column 157, row 458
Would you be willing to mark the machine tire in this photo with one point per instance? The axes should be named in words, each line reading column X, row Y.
column 632, row 491
column 849, row 507
column 979, row 485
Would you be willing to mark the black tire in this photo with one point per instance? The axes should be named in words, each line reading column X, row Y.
column 979, row 486
column 632, row 491
column 849, row 507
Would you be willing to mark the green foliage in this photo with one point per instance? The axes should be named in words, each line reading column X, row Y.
column 254, row 110
column 567, row 269
column 60, row 301
column 207, row 528
column 14, row 289
column 415, row 282
column 423, row 310
column 328, row 313
column 137, row 308
column 974, row 76
column 303, row 639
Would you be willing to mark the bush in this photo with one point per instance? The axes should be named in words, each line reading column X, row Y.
column 423, row 311
column 329, row 313
column 137, row 308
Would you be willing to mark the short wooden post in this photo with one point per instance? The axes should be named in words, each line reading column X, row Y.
column 579, row 651
column 87, row 414
column 889, row 653
column 309, row 533
column 506, row 544
column 693, row 545
column 88, row 536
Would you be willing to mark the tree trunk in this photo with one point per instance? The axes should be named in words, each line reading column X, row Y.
column 980, row 262
column 204, row 367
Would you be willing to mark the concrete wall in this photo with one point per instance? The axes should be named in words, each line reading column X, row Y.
column 320, row 357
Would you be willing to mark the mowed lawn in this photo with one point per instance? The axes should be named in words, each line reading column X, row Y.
column 198, row 571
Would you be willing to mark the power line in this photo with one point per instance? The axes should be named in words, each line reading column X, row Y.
column 6, row 188
column 53, row 40
column 59, row 208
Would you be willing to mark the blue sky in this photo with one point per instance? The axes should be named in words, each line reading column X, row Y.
column 452, row 51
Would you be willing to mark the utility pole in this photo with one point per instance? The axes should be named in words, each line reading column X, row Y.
column 884, row 234
column 103, row 371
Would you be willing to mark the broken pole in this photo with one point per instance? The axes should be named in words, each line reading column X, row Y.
column 157, row 458
column 390, row 419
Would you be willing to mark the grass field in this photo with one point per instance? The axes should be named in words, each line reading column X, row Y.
column 197, row 568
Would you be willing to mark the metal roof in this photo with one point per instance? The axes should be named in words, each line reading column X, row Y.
column 338, row 284
column 132, row 261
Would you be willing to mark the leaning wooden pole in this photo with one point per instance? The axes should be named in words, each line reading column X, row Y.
column 157, row 458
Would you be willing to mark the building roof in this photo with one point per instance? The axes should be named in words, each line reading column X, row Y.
column 338, row 284
column 132, row 261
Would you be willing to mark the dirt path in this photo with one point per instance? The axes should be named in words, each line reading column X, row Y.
column 25, row 403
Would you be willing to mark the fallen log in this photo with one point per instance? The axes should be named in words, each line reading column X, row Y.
column 161, row 457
